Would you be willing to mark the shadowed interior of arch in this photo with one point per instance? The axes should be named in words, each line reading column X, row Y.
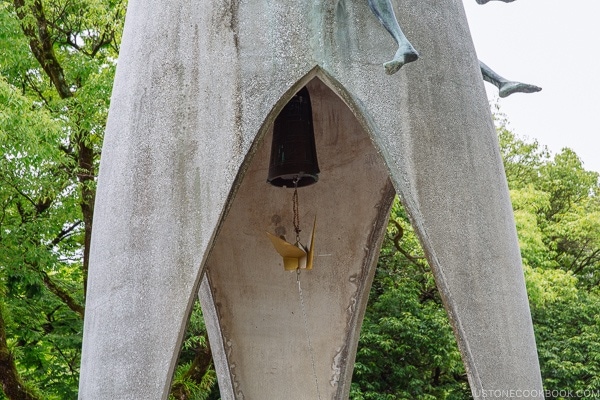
column 272, row 343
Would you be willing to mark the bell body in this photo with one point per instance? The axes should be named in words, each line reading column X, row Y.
column 293, row 151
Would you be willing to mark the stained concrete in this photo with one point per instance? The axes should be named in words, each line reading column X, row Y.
column 271, row 342
column 181, row 190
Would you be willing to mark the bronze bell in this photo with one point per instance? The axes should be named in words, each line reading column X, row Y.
column 293, row 151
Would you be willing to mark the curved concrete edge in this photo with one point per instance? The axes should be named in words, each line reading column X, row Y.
column 439, row 142
column 217, row 345
column 170, row 158
column 272, row 346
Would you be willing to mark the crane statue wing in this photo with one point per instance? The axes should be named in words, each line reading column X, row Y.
column 296, row 255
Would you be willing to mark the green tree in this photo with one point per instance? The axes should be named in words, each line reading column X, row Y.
column 407, row 349
column 195, row 377
column 558, row 222
column 57, row 62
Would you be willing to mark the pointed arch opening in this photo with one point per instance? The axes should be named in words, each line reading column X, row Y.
column 273, row 331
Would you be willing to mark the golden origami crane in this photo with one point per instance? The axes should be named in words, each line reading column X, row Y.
column 296, row 255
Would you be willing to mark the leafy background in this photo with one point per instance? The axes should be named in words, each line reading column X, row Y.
column 57, row 63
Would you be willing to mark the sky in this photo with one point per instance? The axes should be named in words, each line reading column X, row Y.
column 554, row 44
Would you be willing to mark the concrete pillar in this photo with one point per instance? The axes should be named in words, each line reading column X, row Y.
column 182, row 190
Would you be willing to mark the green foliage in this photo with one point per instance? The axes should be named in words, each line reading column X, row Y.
column 407, row 349
column 40, row 241
column 53, row 107
column 557, row 214
column 56, row 72
column 195, row 377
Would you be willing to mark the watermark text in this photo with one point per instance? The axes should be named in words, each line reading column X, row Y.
column 536, row 393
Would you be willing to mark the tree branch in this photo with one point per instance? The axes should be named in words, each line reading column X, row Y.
column 396, row 239
column 36, row 89
column 88, row 195
column 42, row 46
column 200, row 365
column 63, row 295
column 64, row 233
column 20, row 192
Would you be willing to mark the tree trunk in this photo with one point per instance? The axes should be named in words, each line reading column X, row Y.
column 42, row 47
column 11, row 383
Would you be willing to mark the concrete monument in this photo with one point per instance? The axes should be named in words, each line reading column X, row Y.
column 183, row 206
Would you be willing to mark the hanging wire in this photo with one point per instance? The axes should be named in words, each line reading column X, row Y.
column 300, row 294
column 295, row 209
column 307, row 332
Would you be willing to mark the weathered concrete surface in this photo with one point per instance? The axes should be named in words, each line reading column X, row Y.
column 197, row 86
column 269, row 353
